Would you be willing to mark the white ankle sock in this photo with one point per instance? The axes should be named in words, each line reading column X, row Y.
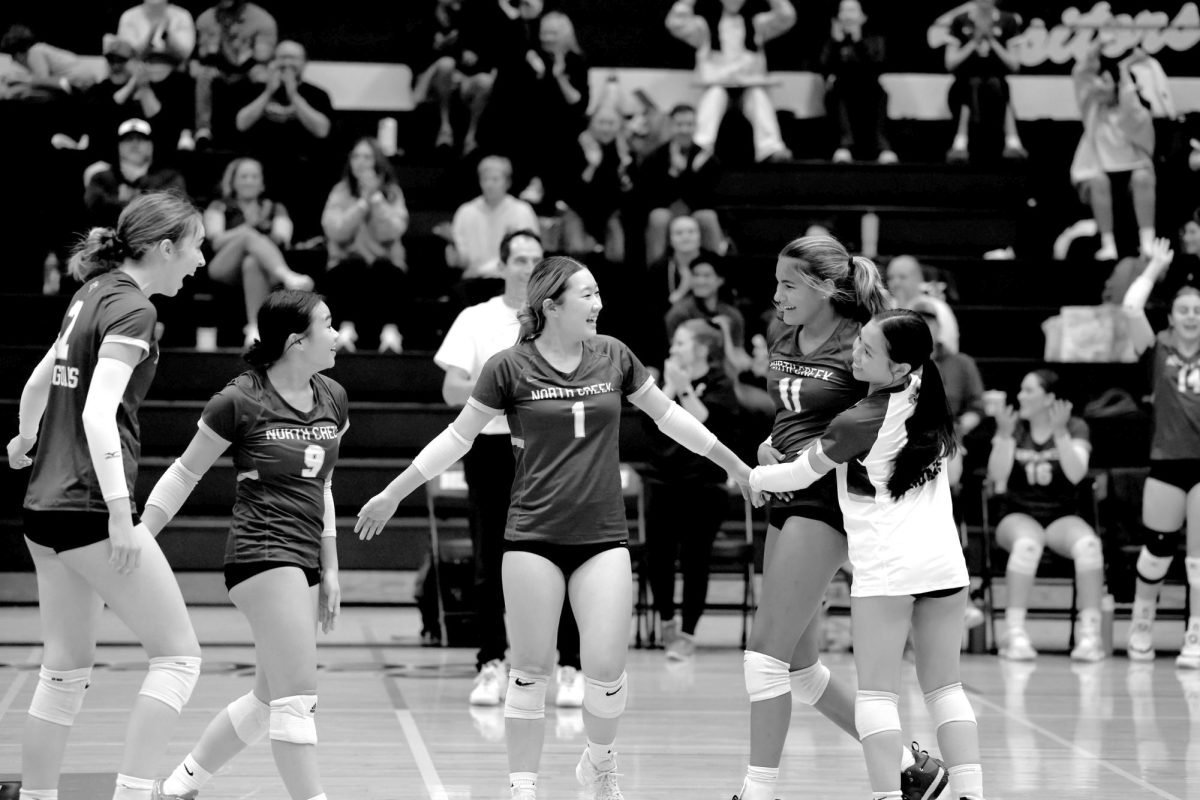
column 1015, row 617
column 960, row 142
column 131, row 788
column 601, row 755
column 1108, row 241
column 188, row 776
column 966, row 781
column 522, row 780
column 759, row 783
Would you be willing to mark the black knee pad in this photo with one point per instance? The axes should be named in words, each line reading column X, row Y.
column 1159, row 543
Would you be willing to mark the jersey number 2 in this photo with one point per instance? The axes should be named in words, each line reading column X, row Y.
column 577, row 413
column 60, row 344
column 789, row 393
column 314, row 459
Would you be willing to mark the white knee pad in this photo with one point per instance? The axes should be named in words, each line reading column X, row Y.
column 526, row 697
column 1152, row 568
column 949, row 704
column 171, row 680
column 251, row 718
column 809, row 684
column 1025, row 556
column 876, row 712
column 293, row 719
column 59, row 695
column 1192, row 565
column 1088, row 554
column 766, row 677
column 605, row 699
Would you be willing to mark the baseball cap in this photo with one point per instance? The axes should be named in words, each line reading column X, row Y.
column 133, row 126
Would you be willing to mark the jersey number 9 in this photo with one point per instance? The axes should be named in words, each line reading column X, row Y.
column 314, row 459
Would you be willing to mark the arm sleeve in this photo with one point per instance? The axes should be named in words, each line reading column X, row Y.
column 107, row 387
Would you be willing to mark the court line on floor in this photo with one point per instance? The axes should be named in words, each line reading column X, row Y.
column 1054, row 737
column 15, row 687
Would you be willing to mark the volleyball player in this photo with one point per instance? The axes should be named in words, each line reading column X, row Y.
column 81, row 525
column 561, row 387
column 823, row 296
column 284, row 422
column 890, row 451
column 1172, row 491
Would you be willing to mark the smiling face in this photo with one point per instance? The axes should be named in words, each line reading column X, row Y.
column 904, row 279
column 683, row 127
column 318, row 345
column 578, row 307
column 362, row 161
column 796, row 298
column 1033, row 399
column 1185, row 317
column 871, row 362
column 523, row 255
column 605, row 126
column 248, row 180
column 685, row 235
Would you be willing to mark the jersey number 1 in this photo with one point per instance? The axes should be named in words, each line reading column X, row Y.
column 314, row 459
column 577, row 413
column 60, row 345
column 789, row 393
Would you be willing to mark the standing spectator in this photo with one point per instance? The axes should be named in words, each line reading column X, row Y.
column 906, row 283
column 852, row 62
column 729, row 44
column 674, row 180
column 286, row 117
column 158, row 26
column 44, row 70
column 1118, row 140
column 458, row 66
column 979, row 57
column 235, row 41
column 109, row 189
column 246, row 230
column 595, row 191
column 364, row 218
column 478, row 333
column 479, row 225
column 686, row 499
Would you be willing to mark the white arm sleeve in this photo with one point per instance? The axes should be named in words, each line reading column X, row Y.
column 173, row 489
column 798, row 474
column 330, row 511
column 109, row 380
column 440, row 454
column 686, row 429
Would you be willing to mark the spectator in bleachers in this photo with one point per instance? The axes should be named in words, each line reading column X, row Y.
column 596, row 189
column 158, row 26
column 960, row 373
column 457, row 66
column 1185, row 269
column 729, row 41
column 705, row 301
column 674, row 180
column 286, row 117
column 1118, row 140
column 479, row 225
column 852, row 61
column 247, row 232
column 364, row 218
column 686, row 499
column 235, row 42
column 1039, row 455
column 906, row 282
column 109, row 189
column 981, row 61
column 670, row 278
column 41, row 69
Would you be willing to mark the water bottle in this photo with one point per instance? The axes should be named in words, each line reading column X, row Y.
column 387, row 136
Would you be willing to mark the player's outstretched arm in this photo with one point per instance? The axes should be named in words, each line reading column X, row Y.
column 177, row 483
column 808, row 467
column 33, row 405
column 439, row 455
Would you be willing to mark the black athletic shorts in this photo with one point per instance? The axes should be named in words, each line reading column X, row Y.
column 236, row 573
column 819, row 502
column 1182, row 473
column 67, row 530
column 938, row 593
column 567, row 557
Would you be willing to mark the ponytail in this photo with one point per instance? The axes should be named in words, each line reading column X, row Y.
column 858, row 292
column 869, row 292
column 930, row 431
column 100, row 250
column 147, row 220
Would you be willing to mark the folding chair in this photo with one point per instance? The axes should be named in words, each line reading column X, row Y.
column 447, row 492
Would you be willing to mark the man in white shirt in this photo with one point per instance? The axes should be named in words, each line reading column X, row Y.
column 480, row 224
column 906, row 283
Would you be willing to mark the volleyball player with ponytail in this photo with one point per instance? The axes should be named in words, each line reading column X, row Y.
column 561, row 387
column 81, row 525
column 890, row 453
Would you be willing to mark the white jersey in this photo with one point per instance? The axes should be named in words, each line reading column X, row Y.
column 478, row 333
column 897, row 547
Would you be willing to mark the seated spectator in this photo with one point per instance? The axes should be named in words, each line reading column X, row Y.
column 979, row 57
column 109, row 189
column 286, row 117
column 674, row 180
column 852, row 61
column 960, row 373
column 671, row 276
column 596, row 188
column 158, row 26
column 246, row 231
column 729, row 43
column 704, row 301
column 235, row 42
column 458, row 68
column 480, row 224
column 906, row 282
column 364, row 218
column 41, row 70
column 1039, row 454
column 1118, row 140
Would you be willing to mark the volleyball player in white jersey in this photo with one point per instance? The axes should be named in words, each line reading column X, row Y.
column 890, row 453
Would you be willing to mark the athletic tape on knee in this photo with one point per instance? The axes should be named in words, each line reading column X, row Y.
column 876, row 712
column 1192, row 565
column 1161, row 543
column 171, row 680
column 1025, row 556
column 605, row 699
column 1088, row 554
column 809, row 684
column 766, row 677
column 1152, row 568
column 526, row 697
column 293, row 719
column 949, row 704
column 59, row 695
column 251, row 718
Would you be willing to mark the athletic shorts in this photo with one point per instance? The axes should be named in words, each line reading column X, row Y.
column 819, row 502
column 67, row 530
column 236, row 573
column 1042, row 516
column 567, row 557
column 939, row 593
column 1182, row 473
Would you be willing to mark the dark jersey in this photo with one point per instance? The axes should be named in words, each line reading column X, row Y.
column 1037, row 484
column 671, row 462
column 565, row 431
column 809, row 390
column 108, row 308
column 282, row 457
column 1176, row 401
